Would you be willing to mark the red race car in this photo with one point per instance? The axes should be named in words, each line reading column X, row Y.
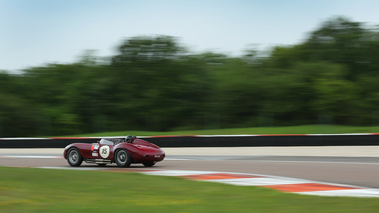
column 123, row 152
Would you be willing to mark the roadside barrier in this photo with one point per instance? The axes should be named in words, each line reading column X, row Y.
column 359, row 139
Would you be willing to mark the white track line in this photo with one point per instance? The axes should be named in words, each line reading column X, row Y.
column 346, row 193
column 327, row 162
column 29, row 156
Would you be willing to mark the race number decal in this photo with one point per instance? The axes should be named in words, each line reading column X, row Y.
column 104, row 151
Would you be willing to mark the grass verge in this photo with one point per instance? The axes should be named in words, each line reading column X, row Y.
column 43, row 190
column 304, row 129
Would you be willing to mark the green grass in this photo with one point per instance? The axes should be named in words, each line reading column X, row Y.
column 43, row 190
column 304, row 129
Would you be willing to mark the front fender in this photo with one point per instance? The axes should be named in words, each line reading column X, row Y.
column 80, row 146
column 66, row 150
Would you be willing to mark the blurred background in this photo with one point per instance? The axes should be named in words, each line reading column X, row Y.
column 72, row 67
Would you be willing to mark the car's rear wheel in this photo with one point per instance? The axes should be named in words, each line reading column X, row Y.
column 74, row 158
column 149, row 164
column 122, row 158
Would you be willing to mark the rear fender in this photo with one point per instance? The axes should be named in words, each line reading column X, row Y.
column 132, row 150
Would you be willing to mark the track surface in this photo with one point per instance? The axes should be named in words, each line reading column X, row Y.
column 359, row 171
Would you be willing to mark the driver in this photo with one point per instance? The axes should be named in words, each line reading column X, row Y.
column 129, row 139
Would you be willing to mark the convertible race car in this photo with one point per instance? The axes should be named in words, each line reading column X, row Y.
column 122, row 151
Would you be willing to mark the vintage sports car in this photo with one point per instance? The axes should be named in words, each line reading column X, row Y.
column 122, row 151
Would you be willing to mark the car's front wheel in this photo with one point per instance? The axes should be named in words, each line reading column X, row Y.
column 74, row 158
column 122, row 158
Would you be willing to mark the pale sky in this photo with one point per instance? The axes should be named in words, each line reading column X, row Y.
column 36, row 32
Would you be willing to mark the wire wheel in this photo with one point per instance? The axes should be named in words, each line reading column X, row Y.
column 122, row 158
column 74, row 158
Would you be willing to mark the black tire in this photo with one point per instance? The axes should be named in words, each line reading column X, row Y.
column 74, row 158
column 148, row 164
column 122, row 158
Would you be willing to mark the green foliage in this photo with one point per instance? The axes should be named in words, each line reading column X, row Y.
column 303, row 129
column 154, row 84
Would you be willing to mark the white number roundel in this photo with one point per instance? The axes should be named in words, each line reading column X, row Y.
column 104, row 151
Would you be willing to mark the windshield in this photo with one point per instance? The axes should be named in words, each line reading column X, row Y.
column 111, row 141
column 106, row 141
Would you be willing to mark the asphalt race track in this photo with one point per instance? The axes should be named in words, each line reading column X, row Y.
column 357, row 166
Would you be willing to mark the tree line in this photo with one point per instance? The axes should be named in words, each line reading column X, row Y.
column 154, row 83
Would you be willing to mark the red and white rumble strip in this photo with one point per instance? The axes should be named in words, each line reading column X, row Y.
column 284, row 184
